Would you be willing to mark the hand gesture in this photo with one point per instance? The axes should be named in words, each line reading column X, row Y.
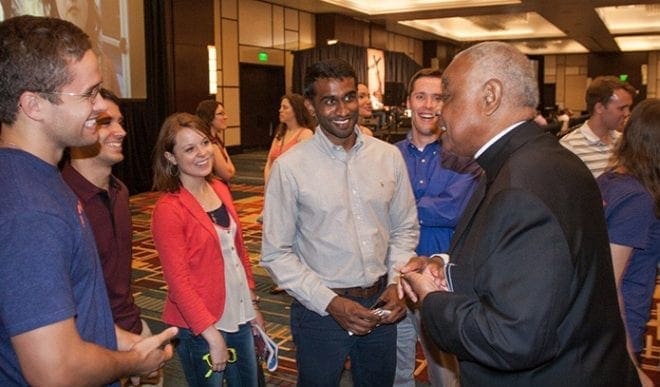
column 153, row 352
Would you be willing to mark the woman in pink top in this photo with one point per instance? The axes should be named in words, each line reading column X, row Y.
column 296, row 124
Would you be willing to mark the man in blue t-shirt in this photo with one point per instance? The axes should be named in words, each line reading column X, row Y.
column 443, row 184
column 55, row 322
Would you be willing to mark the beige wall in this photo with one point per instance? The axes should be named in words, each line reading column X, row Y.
column 246, row 27
column 569, row 73
column 242, row 30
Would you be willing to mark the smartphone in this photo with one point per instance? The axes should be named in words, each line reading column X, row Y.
column 378, row 310
column 379, row 304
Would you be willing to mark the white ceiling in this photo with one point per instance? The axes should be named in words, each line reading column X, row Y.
column 534, row 26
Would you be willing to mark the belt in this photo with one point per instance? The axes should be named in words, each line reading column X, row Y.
column 365, row 292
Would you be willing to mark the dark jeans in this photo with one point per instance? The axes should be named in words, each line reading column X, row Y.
column 242, row 373
column 322, row 346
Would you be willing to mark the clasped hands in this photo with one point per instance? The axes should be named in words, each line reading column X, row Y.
column 360, row 320
column 421, row 276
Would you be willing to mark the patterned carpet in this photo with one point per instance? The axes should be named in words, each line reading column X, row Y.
column 150, row 290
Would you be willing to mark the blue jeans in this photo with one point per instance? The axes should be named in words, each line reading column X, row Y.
column 322, row 346
column 242, row 373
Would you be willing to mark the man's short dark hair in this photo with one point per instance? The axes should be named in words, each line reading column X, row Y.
column 34, row 56
column 602, row 88
column 426, row 72
column 330, row 68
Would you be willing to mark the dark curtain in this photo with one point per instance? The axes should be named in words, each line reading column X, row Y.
column 355, row 55
column 399, row 67
column 143, row 117
column 141, row 131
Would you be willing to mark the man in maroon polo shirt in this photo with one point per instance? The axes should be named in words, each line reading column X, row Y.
column 105, row 201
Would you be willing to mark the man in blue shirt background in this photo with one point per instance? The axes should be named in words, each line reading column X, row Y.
column 442, row 183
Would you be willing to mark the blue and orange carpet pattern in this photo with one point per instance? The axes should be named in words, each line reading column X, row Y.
column 150, row 290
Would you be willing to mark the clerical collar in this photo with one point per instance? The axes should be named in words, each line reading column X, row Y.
column 497, row 137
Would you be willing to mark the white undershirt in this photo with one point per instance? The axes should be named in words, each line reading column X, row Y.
column 238, row 302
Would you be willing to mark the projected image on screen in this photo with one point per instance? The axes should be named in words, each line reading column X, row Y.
column 116, row 28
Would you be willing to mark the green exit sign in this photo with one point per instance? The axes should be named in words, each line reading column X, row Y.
column 262, row 56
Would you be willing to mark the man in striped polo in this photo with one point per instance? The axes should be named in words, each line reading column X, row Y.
column 609, row 101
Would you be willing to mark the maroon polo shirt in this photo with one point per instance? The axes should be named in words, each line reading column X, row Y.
column 110, row 218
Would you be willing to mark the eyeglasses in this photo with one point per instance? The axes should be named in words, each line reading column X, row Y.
column 90, row 95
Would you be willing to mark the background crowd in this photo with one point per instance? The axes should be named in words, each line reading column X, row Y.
column 515, row 257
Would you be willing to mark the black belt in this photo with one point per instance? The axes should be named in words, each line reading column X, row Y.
column 365, row 292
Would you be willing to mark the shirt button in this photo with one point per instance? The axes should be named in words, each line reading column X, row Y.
column 421, row 182
column 423, row 160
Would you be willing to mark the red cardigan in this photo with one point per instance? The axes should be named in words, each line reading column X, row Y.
column 190, row 253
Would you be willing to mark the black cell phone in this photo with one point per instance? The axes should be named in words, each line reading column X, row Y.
column 379, row 304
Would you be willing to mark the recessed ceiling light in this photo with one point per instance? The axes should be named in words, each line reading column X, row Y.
column 380, row 7
column 527, row 25
column 551, row 46
column 628, row 19
column 638, row 43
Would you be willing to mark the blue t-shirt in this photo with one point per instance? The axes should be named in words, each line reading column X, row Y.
column 442, row 184
column 49, row 267
column 631, row 221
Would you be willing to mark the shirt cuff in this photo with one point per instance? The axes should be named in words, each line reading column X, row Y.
column 447, row 269
column 445, row 257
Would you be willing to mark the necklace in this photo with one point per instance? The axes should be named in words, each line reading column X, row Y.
column 206, row 198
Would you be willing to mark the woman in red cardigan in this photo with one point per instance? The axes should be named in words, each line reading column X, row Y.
column 198, row 236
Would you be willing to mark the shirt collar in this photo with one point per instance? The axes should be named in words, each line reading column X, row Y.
column 333, row 148
column 592, row 138
column 497, row 137
column 83, row 188
column 412, row 147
